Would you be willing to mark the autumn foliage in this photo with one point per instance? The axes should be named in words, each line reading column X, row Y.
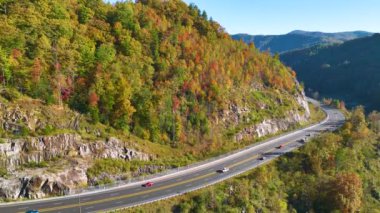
column 147, row 67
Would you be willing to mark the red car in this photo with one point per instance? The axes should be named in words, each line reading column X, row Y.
column 148, row 184
column 281, row 146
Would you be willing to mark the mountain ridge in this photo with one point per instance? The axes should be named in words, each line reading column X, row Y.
column 298, row 39
column 346, row 71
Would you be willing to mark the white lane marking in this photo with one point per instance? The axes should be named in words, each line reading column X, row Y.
column 57, row 203
column 144, row 196
column 169, row 190
column 89, row 207
column 188, row 185
column 114, row 194
column 119, row 202
column 21, row 208
column 85, row 199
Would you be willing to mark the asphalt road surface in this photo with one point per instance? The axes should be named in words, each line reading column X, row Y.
column 182, row 181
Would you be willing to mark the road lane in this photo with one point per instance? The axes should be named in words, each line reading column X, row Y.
column 183, row 181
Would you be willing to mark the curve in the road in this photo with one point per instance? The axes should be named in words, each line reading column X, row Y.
column 183, row 181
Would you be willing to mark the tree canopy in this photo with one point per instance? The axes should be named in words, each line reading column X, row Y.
column 125, row 63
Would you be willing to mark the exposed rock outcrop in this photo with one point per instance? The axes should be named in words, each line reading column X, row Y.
column 233, row 115
column 274, row 125
column 42, row 185
column 16, row 152
column 269, row 126
column 40, row 182
column 14, row 118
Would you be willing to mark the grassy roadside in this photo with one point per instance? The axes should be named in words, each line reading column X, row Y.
column 316, row 114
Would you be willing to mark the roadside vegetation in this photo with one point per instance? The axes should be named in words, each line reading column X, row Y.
column 334, row 172
column 127, row 169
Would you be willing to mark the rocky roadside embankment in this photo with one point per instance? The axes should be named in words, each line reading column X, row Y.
column 273, row 126
column 70, row 155
column 49, row 165
column 41, row 182
column 234, row 115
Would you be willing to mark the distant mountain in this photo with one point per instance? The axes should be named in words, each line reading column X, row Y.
column 298, row 39
column 348, row 71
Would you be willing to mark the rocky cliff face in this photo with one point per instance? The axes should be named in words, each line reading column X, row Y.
column 40, row 182
column 275, row 125
column 16, row 152
column 69, row 155
column 236, row 115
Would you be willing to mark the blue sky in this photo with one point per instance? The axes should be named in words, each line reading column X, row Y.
column 282, row 16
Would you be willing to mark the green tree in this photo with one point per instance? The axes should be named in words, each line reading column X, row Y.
column 85, row 14
column 105, row 54
column 124, row 14
column 5, row 66
column 123, row 109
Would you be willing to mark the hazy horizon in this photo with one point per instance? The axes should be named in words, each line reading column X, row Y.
column 272, row 17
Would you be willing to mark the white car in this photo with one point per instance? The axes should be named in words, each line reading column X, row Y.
column 225, row 169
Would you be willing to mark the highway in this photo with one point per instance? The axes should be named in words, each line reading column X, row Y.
column 182, row 181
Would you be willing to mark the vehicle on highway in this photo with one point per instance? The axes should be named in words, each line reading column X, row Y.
column 148, row 184
column 225, row 169
column 247, row 160
column 281, row 146
column 302, row 140
column 32, row 211
column 308, row 135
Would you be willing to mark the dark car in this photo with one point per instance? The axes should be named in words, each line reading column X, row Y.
column 148, row 184
column 281, row 146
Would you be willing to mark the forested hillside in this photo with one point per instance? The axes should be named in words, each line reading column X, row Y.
column 349, row 71
column 298, row 39
column 93, row 92
column 158, row 69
